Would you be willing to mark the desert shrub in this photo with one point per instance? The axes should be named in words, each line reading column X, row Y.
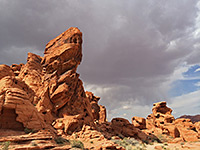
column 127, row 143
column 77, row 144
column 33, row 144
column 5, row 145
column 61, row 140
column 120, row 136
column 162, row 138
column 76, row 136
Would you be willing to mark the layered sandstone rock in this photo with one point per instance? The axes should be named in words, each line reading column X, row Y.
column 66, row 93
column 31, row 73
column 50, row 88
column 16, row 108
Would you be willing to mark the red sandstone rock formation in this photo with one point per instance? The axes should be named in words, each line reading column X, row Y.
column 47, row 95
column 46, row 92
column 50, row 87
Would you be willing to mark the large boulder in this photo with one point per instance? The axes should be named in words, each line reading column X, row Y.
column 188, row 131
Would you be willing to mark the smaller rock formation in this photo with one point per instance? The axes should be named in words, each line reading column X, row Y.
column 162, row 122
column 197, row 126
column 98, row 111
column 102, row 114
column 123, row 127
column 94, row 104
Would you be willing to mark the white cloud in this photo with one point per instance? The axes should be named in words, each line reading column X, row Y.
column 196, row 33
column 126, row 107
column 197, row 70
column 186, row 104
column 197, row 84
column 120, row 21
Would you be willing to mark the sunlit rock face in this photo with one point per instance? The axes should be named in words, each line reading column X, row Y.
column 49, row 89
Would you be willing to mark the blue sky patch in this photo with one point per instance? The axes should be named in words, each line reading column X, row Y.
column 188, row 84
column 181, row 87
column 193, row 71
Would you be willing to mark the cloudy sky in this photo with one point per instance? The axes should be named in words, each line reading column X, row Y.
column 135, row 52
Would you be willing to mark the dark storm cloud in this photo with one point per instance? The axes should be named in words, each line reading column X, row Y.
column 130, row 47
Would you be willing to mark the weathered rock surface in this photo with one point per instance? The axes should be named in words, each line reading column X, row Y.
column 16, row 108
column 187, row 129
column 16, row 68
column 139, row 122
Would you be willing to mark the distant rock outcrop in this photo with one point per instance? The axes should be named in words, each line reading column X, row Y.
column 162, row 122
column 194, row 118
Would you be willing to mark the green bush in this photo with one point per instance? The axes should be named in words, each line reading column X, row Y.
column 61, row 140
column 5, row 145
column 77, row 144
